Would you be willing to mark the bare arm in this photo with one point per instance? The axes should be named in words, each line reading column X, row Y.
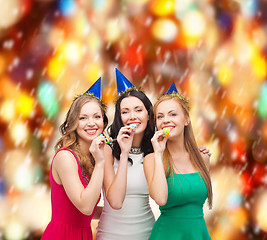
column 66, row 169
column 84, row 199
column 115, row 184
column 156, row 179
column 154, row 170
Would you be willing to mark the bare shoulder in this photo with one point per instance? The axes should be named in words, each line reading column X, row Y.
column 206, row 159
column 64, row 159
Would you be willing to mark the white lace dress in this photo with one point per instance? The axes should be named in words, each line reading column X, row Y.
column 134, row 221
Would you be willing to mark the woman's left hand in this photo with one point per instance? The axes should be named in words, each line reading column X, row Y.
column 204, row 150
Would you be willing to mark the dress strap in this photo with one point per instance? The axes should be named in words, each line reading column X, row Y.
column 81, row 170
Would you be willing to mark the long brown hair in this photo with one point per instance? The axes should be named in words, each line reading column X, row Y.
column 69, row 137
column 190, row 146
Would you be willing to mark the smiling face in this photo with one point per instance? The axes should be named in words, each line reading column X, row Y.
column 133, row 111
column 170, row 114
column 91, row 122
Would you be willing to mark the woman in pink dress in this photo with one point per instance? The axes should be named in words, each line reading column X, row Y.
column 77, row 169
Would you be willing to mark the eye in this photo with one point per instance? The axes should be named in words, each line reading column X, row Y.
column 139, row 110
column 81, row 118
column 173, row 114
column 124, row 112
column 158, row 117
column 98, row 116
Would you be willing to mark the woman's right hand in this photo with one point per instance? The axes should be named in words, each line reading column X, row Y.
column 159, row 142
column 125, row 139
column 97, row 148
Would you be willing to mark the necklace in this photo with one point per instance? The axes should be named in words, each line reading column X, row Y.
column 135, row 150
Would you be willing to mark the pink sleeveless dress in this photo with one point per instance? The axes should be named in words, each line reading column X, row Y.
column 67, row 222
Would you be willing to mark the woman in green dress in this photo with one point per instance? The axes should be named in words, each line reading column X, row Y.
column 177, row 173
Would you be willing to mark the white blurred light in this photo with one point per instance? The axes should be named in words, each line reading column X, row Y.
column 10, row 12
column 36, row 200
column 164, row 30
column 113, row 30
column 24, row 177
column 14, row 229
column 193, row 24
column 261, row 210
column 7, row 111
column 15, row 163
column 19, row 133
column 73, row 51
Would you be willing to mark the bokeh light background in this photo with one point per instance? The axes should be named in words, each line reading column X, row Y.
column 214, row 50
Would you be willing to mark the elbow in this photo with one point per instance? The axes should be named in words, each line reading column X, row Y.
column 114, row 202
column 86, row 211
column 161, row 202
column 116, row 205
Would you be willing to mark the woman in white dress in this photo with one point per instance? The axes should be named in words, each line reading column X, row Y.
column 127, row 213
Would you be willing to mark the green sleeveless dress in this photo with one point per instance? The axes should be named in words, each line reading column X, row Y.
column 182, row 216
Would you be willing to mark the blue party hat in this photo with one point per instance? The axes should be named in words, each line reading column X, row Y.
column 95, row 92
column 123, row 84
column 172, row 89
column 95, row 89
column 174, row 92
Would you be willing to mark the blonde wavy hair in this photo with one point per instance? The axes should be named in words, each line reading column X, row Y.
column 190, row 145
column 69, row 137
